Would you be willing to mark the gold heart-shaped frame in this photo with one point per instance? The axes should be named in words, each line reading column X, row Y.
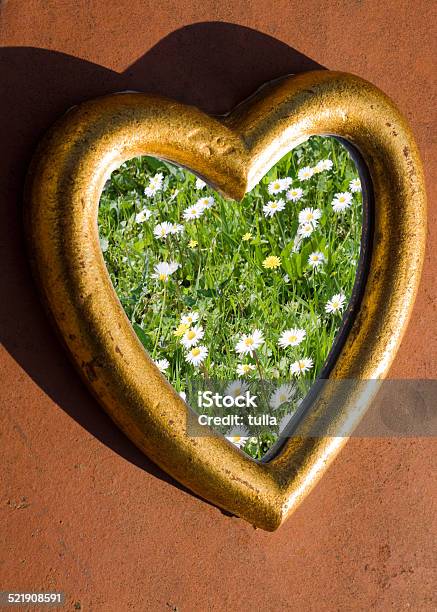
column 232, row 153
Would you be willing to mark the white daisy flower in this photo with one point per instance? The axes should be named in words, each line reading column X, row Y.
column 291, row 337
column 192, row 336
column 305, row 173
column 310, row 215
column 238, row 436
column 196, row 355
column 155, row 184
column 236, row 389
column 250, row 343
column 156, row 181
column 305, row 230
column 286, row 279
column 336, row 303
column 200, row 184
column 301, row 366
column 341, row 201
column 282, row 395
column 286, row 182
column 294, row 194
column 162, row 230
column 355, row 185
column 163, row 270
column 143, row 215
column 192, row 212
column 162, row 364
column 323, row 164
column 243, row 369
column 284, row 422
column 176, row 228
column 275, row 187
column 189, row 318
column 205, row 203
column 273, row 207
column 316, row 259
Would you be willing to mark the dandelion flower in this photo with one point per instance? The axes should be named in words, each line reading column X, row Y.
column 205, row 203
column 294, row 194
column 341, row 201
column 305, row 173
column 275, row 187
column 310, row 215
column 238, row 436
column 236, row 389
column 192, row 212
column 355, row 185
column 163, row 270
column 190, row 318
column 291, row 337
column 316, row 259
column 180, row 330
column 305, row 230
column 273, row 207
column 162, row 364
column 271, row 262
column 192, row 244
column 245, row 368
column 192, row 336
column 143, row 215
column 250, row 343
column 336, row 303
column 200, row 184
column 196, row 355
column 301, row 366
column 247, row 236
column 162, row 230
column 282, row 395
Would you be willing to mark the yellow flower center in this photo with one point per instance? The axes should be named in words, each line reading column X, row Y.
column 236, row 438
column 191, row 334
column 163, row 277
column 292, row 338
column 195, row 351
column 248, row 341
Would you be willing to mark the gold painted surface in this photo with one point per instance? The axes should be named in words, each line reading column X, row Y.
column 62, row 197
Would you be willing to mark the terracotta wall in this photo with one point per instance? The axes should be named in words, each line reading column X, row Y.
column 82, row 510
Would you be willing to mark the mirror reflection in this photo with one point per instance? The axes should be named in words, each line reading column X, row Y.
column 236, row 300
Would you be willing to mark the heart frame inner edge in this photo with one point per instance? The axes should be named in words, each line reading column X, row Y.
column 62, row 195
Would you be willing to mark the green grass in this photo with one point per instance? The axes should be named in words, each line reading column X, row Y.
column 222, row 277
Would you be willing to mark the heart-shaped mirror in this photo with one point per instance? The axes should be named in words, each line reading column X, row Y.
column 238, row 302
column 234, row 155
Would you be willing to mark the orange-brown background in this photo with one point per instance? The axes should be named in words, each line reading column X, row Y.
column 82, row 510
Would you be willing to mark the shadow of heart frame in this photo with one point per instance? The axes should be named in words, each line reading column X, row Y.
column 232, row 154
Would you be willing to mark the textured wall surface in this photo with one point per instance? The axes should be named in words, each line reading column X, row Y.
column 82, row 510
